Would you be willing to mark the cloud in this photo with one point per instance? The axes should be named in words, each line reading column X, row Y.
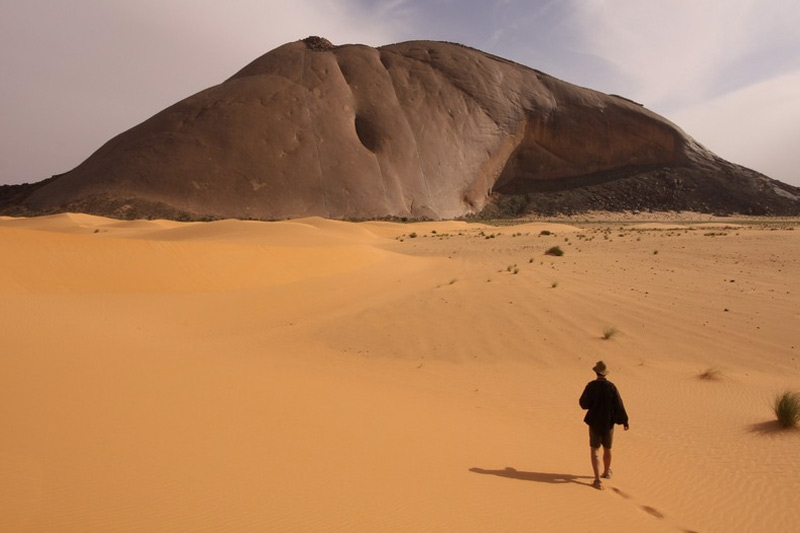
column 77, row 73
column 726, row 71
column 755, row 126
column 677, row 53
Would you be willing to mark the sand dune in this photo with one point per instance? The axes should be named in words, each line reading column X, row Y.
column 321, row 375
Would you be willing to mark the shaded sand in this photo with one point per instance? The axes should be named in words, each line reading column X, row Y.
column 318, row 375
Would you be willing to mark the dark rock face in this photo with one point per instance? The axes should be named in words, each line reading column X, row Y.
column 418, row 130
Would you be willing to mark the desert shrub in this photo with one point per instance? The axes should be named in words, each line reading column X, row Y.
column 711, row 374
column 610, row 332
column 545, row 232
column 555, row 250
column 787, row 409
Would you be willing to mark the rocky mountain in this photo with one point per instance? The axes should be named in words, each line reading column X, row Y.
column 418, row 130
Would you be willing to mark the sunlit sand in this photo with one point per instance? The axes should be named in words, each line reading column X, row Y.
column 320, row 375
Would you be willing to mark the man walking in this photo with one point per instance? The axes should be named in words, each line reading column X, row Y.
column 605, row 408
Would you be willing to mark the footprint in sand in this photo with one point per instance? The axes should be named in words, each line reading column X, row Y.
column 652, row 511
column 646, row 508
column 623, row 494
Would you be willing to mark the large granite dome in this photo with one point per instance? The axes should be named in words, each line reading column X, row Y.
column 419, row 130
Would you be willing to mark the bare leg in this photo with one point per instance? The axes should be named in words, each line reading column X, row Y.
column 606, row 461
column 596, row 462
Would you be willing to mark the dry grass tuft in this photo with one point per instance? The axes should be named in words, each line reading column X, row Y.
column 787, row 409
column 610, row 332
column 711, row 374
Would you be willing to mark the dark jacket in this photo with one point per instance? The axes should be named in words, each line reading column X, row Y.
column 604, row 405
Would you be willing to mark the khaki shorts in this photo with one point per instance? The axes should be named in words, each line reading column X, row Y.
column 606, row 439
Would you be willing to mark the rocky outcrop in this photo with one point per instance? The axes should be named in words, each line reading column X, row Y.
column 417, row 130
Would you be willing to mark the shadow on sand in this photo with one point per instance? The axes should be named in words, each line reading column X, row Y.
column 772, row 428
column 540, row 477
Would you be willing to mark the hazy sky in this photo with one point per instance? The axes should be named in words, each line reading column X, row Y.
column 74, row 73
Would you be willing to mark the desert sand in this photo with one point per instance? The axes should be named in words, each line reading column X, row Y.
column 314, row 375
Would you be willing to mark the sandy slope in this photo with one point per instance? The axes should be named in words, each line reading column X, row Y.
column 319, row 375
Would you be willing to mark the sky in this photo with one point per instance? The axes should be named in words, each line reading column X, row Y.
column 75, row 73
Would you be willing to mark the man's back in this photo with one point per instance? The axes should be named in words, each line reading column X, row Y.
column 604, row 404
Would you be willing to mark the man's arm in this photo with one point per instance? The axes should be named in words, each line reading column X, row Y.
column 622, row 415
column 587, row 398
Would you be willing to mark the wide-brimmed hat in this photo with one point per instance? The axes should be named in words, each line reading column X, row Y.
column 600, row 368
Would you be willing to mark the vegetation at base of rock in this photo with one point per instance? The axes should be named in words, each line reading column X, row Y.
column 555, row 251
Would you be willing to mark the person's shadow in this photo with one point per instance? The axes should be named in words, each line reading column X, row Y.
column 540, row 477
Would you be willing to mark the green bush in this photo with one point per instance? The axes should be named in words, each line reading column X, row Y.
column 787, row 409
